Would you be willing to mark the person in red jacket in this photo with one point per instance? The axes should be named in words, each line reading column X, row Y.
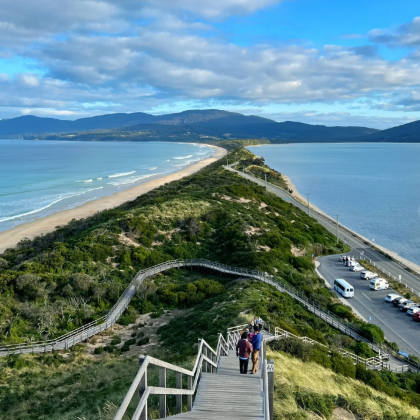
column 243, row 351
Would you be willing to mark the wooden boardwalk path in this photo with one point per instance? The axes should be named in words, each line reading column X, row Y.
column 228, row 395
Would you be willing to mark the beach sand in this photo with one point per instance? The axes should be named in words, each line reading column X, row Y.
column 10, row 238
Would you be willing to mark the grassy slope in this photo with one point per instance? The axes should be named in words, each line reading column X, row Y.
column 81, row 268
column 304, row 387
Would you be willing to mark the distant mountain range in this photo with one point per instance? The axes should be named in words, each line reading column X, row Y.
column 201, row 125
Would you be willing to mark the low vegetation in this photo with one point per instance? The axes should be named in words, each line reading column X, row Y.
column 60, row 281
column 306, row 390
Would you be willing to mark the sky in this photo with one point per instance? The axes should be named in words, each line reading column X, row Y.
column 313, row 61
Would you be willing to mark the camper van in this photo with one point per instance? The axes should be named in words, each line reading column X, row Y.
column 345, row 289
column 379, row 284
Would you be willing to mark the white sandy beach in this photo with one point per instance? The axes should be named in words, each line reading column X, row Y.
column 10, row 238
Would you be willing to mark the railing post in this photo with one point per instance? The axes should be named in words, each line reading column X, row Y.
column 179, row 397
column 162, row 398
column 189, row 397
column 270, row 390
column 142, row 388
column 205, row 364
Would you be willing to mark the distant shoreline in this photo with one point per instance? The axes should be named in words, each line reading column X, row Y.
column 299, row 197
column 10, row 238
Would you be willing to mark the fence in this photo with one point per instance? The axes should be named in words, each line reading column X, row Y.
column 207, row 361
column 387, row 273
column 329, row 219
column 93, row 328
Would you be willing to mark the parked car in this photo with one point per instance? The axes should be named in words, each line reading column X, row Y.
column 391, row 297
column 351, row 263
column 368, row 275
column 405, row 306
column 413, row 309
column 399, row 300
column 416, row 316
column 379, row 284
column 356, row 267
column 341, row 258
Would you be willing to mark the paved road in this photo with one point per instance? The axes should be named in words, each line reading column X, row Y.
column 397, row 325
column 357, row 245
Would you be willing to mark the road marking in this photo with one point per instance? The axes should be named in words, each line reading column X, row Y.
column 406, row 342
column 365, row 296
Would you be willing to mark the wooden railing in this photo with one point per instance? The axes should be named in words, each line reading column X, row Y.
column 207, row 361
column 95, row 327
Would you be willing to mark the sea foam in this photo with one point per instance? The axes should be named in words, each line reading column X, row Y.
column 121, row 174
column 183, row 157
column 55, row 201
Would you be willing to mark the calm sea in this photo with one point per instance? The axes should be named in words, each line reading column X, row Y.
column 38, row 178
column 374, row 188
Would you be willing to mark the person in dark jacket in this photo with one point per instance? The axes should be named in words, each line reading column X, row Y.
column 243, row 351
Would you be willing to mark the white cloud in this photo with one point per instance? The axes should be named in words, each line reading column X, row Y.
column 130, row 55
column 406, row 35
column 30, row 80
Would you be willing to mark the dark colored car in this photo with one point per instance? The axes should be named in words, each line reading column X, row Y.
column 405, row 305
column 399, row 300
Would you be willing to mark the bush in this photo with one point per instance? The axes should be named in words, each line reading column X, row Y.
column 342, row 365
column 322, row 405
column 373, row 332
column 98, row 350
column 320, row 355
column 293, row 346
column 143, row 341
column 115, row 341
column 128, row 317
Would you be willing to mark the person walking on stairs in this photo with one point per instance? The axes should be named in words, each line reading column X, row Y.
column 256, row 344
column 243, row 351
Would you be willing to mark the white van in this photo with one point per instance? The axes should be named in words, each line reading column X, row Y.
column 345, row 289
column 379, row 284
column 367, row 275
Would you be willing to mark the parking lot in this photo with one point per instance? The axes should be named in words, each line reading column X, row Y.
column 371, row 306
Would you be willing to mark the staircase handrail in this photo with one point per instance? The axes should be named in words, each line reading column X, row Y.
column 207, row 359
column 94, row 327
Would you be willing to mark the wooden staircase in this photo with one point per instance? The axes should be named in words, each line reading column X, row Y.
column 227, row 394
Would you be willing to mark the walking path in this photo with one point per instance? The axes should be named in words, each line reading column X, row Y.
column 356, row 242
column 227, row 394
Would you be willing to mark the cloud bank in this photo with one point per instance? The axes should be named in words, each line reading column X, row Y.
column 89, row 57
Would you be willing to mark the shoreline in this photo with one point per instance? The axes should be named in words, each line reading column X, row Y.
column 10, row 238
column 296, row 194
column 299, row 197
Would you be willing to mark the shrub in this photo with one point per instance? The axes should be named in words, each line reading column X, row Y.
column 323, row 405
column 128, row 317
column 293, row 346
column 115, row 341
column 342, row 365
column 320, row 355
column 98, row 350
column 143, row 341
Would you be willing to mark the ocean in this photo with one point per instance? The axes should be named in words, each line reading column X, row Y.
column 38, row 178
column 374, row 188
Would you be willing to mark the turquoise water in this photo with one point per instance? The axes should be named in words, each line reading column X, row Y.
column 38, row 178
column 374, row 188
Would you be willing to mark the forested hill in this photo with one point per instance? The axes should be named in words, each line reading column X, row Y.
column 196, row 125
column 407, row 133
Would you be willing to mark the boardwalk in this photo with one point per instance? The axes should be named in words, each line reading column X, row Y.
column 227, row 394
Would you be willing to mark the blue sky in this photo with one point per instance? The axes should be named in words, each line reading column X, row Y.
column 314, row 61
